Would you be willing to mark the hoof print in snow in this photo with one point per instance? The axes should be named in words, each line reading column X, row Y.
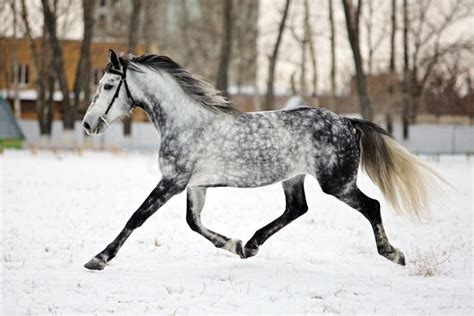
column 95, row 264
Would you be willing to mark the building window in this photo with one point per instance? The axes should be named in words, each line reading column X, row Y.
column 20, row 74
column 103, row 3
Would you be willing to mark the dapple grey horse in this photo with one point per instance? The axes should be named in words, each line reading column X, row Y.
column 206, row 143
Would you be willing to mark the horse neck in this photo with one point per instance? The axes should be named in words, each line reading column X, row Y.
column 166, row 104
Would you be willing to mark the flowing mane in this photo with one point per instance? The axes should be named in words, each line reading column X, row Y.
column 196, row 87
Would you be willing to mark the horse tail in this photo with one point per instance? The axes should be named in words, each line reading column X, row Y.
column 405, row 180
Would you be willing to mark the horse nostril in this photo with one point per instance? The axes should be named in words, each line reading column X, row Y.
column 86, row 126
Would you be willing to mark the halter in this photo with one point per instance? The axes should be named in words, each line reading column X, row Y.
column 123, row 80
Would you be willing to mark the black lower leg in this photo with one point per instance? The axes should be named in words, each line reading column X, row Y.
column 159, row 196
column 370, row 208
column 295, row 207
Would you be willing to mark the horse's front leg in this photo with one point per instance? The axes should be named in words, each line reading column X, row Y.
column 165, row 189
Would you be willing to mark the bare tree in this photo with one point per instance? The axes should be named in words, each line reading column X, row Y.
column 244, row 34
column 307, row 48
column 352, row 22
column 50, row 20
column 185, row 27
column 43, row 107
column 83, row 70
column 133, row 26
column 132, row 46
column 447, row 87
column 306, row 43
column 146, row 30
column 16, row 66
column 406, row 69
column 333, row 56
column 303, row 41
column 373, row 43
column 425, row 32
column 87, row 63
column 303, row 86
column 226, row 49
column 294, row 91
column 309, row 34
column 273, row 58
column 428, row 47
column 392, row 71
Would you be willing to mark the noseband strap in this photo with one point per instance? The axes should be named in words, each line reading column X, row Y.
column 123, row 80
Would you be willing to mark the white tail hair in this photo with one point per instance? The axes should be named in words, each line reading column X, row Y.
column 407, row 183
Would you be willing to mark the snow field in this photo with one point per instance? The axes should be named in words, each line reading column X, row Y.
column 60, row 209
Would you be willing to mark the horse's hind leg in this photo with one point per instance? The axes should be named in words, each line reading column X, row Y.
column 370, row 208
column 295, row 207
column 196, row 197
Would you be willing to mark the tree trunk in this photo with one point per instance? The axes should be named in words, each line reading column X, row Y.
column 226, row 49
column 51, row 24
column 239, row 39
column 273, row 59
column 391, row 87
column 294, row 91
column 132, row 46
column 352, row 24
column 49, row 104
column 16, row 65
column 312, row 50
column 45, row 90
column 406, row 73
column 369, row 34
column 43, row 111
column 82, row 80
column 133, row 26
column 333, row 57
column 304, row 44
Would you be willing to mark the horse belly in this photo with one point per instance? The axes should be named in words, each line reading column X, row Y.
column 247, row 173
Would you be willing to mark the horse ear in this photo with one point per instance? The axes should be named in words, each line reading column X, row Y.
column 114, row 60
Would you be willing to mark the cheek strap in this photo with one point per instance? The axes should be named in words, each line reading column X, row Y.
column 123, row 80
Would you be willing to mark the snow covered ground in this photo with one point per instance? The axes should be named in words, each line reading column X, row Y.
column 58, row 210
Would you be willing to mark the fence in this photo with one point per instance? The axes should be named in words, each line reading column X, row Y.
column 424, row 138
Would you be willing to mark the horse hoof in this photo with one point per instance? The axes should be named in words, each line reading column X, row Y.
column 239, row 249
column 250, row 252
column 396, row 256
column 401, row 258
column 235, row 246
column 95, row 264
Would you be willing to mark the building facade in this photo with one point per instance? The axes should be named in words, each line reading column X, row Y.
column 18, row 75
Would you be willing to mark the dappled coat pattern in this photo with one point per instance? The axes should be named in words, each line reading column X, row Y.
column 204, row 142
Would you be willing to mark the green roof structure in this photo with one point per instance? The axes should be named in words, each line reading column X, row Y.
column 11, row 135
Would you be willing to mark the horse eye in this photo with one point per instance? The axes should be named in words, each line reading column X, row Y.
column 107, row 86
